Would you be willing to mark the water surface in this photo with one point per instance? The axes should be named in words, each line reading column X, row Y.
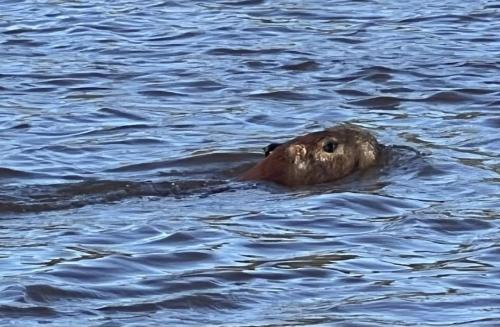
column 122, row 124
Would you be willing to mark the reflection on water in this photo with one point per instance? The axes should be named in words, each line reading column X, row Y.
column 123, row 126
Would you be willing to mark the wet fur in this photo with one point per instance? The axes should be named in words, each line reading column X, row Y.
column 303, row 161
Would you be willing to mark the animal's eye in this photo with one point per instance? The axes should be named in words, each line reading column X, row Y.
column 270, row 148
column 329, row 146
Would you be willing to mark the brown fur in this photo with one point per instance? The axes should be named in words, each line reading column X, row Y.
column 304, row 161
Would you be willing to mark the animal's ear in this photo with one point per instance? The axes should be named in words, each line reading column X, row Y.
column 296, row 152
column 368, row 156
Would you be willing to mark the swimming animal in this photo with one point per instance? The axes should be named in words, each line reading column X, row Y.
column 318, row 157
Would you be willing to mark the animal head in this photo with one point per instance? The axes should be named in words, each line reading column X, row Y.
column 318, row 157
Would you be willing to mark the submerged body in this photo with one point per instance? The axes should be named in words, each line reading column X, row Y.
column 318, row 157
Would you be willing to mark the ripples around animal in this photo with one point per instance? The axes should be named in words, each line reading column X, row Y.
column 315, row 158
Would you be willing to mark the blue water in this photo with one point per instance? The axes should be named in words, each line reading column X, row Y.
column 123, row 124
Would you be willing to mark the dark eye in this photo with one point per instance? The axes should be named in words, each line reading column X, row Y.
column 329, row 146
column 270, row 148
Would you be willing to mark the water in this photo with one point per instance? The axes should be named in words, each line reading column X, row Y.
column 123, row 123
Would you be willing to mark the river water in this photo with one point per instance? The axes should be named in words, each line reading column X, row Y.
column 124, row 122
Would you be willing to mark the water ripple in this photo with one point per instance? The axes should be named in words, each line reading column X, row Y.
column 123, row 127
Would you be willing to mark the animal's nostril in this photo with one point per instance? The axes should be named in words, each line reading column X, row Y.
column 270, row 148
